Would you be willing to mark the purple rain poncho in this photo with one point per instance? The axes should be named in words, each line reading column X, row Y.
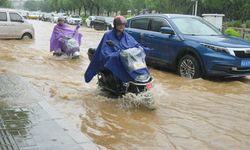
column 59, row 33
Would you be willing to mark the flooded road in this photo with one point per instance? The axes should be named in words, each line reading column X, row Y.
column 191, row 114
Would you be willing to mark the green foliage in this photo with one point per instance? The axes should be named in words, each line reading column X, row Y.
column 84, row 18
column 248, row 38
column 32, row 5
column 233, row 9
column 128, row 16
column 248, row 23
column 235, row 23
column 5, row 3
column 230, row 31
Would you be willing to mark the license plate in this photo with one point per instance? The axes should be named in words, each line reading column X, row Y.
column 245, row 63
column 149, row 86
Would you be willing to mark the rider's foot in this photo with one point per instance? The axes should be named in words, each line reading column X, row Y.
column 57, row 54
column 76, row 54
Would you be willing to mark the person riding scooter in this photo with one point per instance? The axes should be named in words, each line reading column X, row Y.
column 65, row 40
column 106, row 57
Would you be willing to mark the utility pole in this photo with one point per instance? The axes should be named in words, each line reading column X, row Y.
column 195, row 7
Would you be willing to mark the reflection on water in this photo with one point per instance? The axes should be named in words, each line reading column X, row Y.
column 192, row 114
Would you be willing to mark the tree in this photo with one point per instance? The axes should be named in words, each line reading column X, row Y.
column 32, row 5
column 233, row 9
column 5, row 3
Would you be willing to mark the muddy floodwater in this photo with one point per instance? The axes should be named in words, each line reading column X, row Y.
column 191, row 115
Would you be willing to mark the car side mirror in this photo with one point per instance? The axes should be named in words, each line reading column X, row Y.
column 167, row 30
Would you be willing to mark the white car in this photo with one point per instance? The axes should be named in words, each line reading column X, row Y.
column 109, row 20
column 89, row 20
column 14, row 26
column 54, row 17
column 74, row 20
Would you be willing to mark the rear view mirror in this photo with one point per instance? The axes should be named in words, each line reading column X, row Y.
column 167, row 30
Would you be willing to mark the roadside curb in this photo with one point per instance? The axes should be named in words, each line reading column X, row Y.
column 30, row 122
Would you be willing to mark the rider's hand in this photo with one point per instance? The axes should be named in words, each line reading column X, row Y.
column 78, row 26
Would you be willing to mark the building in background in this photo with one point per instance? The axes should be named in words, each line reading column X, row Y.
column 214, row 19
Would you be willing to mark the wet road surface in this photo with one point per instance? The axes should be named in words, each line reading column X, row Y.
column 191, row 114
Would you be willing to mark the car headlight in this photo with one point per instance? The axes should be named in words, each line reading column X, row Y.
column 216, row 48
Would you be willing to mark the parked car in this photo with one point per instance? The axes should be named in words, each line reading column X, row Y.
column 190, row 45
column 103, row 23
column 89, row 21
column 74, row 20
column 64, row 15
column 13, row 25
column 54, row 17
column 34, row 15
column 46, row 17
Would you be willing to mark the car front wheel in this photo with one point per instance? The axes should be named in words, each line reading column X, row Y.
column 188, row 67
column 26, row 36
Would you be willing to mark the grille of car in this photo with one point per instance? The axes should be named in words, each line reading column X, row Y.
column 242, row 54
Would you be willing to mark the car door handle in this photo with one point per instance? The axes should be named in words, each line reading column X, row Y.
column 151, row 36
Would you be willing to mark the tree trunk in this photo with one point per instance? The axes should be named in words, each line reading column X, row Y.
column 91, row 11
column 98, row 10
column 85, row 11
column 79, row 10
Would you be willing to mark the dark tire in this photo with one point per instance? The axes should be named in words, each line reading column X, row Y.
column 26, row 36
column 188, row 67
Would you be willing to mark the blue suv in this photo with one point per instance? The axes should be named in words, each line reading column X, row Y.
column 190, row 45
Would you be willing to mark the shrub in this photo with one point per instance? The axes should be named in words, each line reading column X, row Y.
column 248, row 23
column 232, row 32
column 84, row 18
column 128, row 16
column 235, row 23
column 248, row 38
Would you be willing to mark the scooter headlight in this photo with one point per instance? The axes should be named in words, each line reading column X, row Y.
column 216, row 48
column 142, row 78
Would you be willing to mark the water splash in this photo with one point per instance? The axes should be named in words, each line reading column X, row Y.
column 144, row 99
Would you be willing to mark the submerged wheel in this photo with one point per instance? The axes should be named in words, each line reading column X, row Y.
column 27, row 36
column 188, row 67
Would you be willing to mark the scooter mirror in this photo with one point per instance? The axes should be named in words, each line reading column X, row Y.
column 110, row 43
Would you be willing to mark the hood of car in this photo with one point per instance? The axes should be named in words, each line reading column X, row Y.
column 76, row 19
column 221, row 40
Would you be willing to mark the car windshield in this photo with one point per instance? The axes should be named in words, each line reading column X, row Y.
column 100, row 18
column 109, row 19
column 75, row 16
column 195, row 26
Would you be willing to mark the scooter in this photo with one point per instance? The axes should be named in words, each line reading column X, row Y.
column 70, row 47
column 132, row 59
